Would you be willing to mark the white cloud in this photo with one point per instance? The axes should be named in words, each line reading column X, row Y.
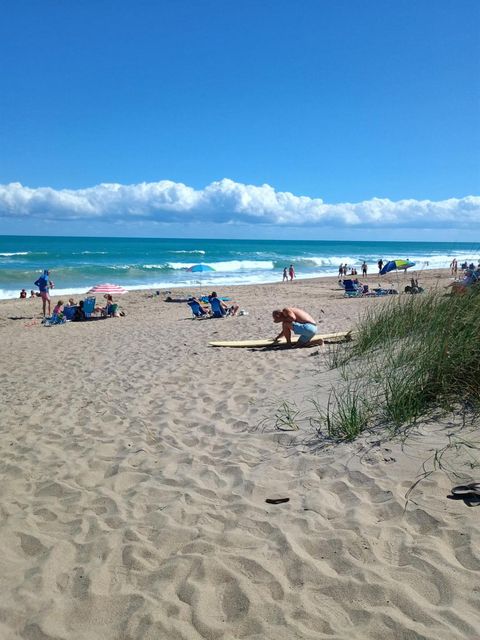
column 227, row 201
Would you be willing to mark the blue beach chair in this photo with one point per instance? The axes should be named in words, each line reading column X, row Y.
column 352, row 289
column 69, row 311
column 197, row 310
column 88, row 306
column 217, row 310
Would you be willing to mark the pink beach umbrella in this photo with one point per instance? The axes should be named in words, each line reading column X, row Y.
column 106, row 288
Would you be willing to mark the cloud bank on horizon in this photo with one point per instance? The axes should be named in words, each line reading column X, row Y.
column 228, row 202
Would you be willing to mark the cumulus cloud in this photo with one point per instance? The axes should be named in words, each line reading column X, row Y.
column 226, row 201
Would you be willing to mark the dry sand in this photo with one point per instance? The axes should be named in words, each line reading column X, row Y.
column 134, row 469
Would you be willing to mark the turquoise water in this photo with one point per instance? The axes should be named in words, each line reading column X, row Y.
column 76, row 264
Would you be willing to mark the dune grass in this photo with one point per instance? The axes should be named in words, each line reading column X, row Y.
column 414, row 355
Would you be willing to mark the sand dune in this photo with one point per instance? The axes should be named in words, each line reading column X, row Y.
column 134, row 471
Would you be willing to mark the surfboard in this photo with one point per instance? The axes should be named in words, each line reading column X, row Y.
column 269, row 342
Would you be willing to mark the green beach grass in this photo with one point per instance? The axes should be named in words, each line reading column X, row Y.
column 415, row 355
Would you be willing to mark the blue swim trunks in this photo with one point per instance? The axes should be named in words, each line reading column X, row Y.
column 306, row 331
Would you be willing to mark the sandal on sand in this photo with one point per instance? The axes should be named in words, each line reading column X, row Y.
column 472, row 500
column 277, row 500
column 464, row 489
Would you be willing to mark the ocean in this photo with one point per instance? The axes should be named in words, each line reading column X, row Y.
column 76, row 264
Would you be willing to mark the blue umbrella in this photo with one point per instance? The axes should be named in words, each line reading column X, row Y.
column 199, row 268
column 396, row 265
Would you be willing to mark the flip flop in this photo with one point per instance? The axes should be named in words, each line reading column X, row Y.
column 472, row 500
column 464, row 489
column 277, row 500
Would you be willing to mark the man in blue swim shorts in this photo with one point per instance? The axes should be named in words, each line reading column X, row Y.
column 298, row 321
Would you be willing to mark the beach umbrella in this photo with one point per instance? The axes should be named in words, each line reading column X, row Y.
column 200, row 268
column 396, row 265
column 107, row 288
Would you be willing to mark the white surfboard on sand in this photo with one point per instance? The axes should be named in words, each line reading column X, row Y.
column 269, row 342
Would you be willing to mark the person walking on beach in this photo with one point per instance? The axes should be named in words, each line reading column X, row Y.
column 454, row 267
column 285, row 275
column 45, row 284
column 380, row 265
column 364, row 268
column 296, row 320
column 291, row 272
column 340, row 270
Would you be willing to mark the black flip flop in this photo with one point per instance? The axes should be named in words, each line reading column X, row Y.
column 277, row 500
column 465, row 489
column 472, row 500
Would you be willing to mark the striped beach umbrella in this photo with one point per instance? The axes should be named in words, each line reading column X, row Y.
column 107, row 288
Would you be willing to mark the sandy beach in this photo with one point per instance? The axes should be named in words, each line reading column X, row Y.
column 135, row 464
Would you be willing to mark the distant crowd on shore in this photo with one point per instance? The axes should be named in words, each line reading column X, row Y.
column 72, row 311
column 345, row 270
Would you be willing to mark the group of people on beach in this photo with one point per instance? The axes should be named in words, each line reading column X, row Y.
column 218, row 307
column 76, row 312
column 72, row 311
column 288, row 273
column 471, row 276
column 344, row 269
column 294, row 320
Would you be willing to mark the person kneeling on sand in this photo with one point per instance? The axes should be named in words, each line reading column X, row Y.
column 296, row 320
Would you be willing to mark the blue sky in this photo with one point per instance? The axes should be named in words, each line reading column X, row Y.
column 335, row 101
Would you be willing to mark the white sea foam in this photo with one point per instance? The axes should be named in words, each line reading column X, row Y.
column 14, row 253
column 194, row 251
column 229, row 265
column 330, row 261
column 7, row 294
column 94, row 253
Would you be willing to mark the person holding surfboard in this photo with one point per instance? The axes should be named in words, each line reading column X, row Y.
column 296, row 320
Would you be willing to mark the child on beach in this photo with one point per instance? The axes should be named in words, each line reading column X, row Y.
column 58, row 309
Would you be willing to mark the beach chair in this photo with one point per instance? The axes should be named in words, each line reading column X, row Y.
column 217, row 310
column 197, row 310
column 88, row 307
column 69, row 311
column 352, row 289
